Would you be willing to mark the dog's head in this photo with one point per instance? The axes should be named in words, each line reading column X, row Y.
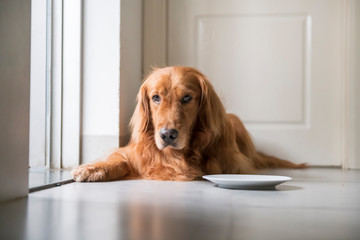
column 172, row 103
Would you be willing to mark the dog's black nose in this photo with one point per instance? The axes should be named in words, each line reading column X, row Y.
column 168, row 135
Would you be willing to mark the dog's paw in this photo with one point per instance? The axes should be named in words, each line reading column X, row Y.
column 89, row 173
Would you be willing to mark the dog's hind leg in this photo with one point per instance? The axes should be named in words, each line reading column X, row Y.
column 247, row 147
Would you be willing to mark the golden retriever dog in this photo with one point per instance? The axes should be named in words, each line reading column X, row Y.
column 180, row 131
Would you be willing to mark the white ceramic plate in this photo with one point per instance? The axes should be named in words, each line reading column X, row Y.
column 242, row 181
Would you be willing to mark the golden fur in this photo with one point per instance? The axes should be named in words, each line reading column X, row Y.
column 208, row 140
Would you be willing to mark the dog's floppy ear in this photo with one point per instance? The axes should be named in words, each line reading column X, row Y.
column 140, row 121
column 211, row 111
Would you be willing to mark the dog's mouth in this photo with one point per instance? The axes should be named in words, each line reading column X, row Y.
column 163, row 146
column 176, row 145
column 169, row 145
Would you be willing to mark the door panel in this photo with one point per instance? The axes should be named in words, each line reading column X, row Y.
column 263, row 61
column 277, row 64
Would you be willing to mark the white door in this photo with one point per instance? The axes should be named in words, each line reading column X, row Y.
column 277, row 64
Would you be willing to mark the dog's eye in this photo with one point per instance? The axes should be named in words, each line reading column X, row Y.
column 186, row 99
column 156, row 99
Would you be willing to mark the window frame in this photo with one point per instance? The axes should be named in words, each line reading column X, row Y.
column 70, row 84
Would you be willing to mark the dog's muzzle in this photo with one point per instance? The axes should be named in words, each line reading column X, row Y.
column 168, row 136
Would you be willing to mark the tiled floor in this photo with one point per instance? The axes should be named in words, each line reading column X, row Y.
column 316, row 204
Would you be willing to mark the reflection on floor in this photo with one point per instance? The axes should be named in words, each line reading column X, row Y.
column 316, row 204
column 42, row 178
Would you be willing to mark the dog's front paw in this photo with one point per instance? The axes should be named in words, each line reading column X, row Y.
column 89, row 173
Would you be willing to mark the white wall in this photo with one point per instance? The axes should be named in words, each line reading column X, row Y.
column 101, row 60
column 110, row 80
column 101, row 54
column 14, row 97
column 354, row 86
column 130, row 62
